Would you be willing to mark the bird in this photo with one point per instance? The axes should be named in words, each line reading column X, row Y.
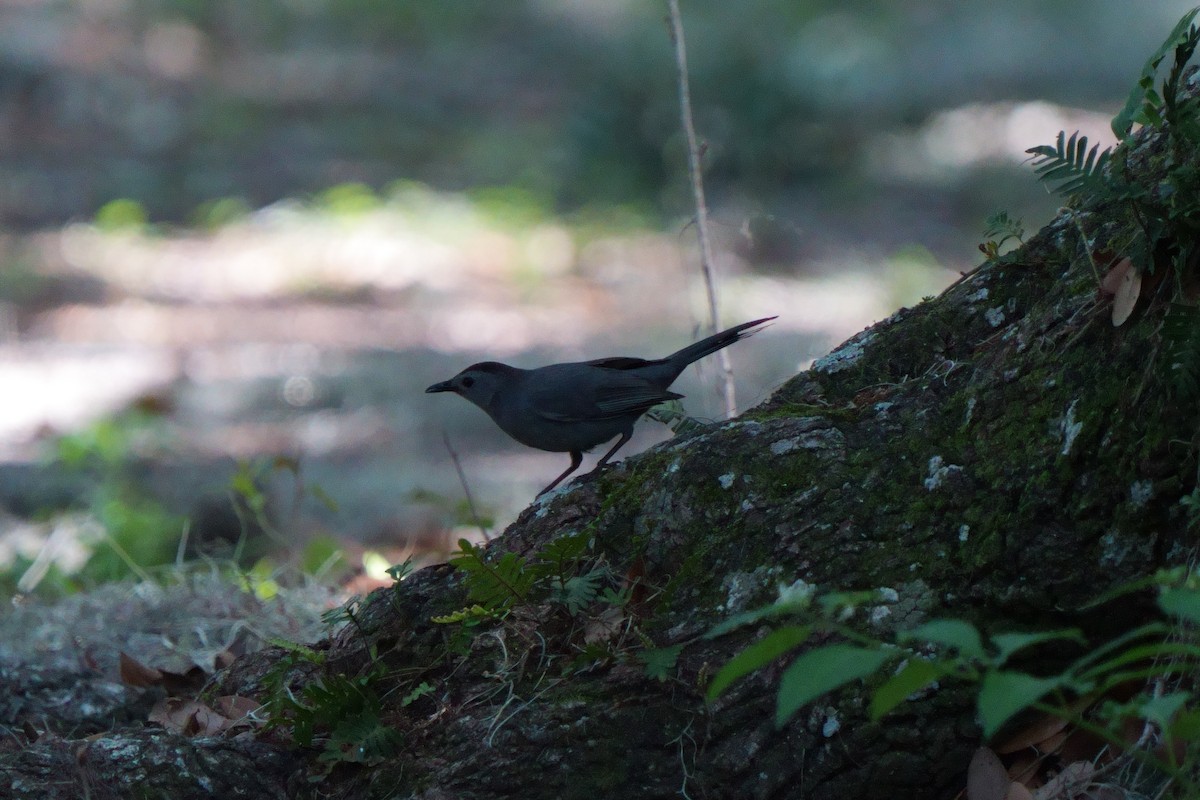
column 573, row 407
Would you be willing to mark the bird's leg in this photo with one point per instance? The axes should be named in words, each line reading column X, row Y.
column 576, row 460
column 625, row 437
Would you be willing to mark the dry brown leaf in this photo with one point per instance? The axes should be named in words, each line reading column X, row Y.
column 188, row 717
column 1177, row 748
column 1053, row 744
column 1125, row 300
column 1112, row 279
column 206, row 722
column 1084, row 746
column 635, row 581
column 135, row 673
column 605, row 626
column 184, row 683
column 1017, row 791
column 224, row 659
column 1027, row 770
column 1067, row 783
column 173, row 713
column 986, row 777
column 1036, row 732
column 236, row 707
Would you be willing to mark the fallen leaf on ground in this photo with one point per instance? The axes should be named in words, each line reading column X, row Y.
column 605, row 626
column 135, row 673
column 1035, row 733
column 987, row 779
column 188, row 717
column 237, row 708
column 1068, row 782
column 1017, row 791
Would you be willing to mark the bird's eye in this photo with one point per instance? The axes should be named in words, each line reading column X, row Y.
column 468, row 382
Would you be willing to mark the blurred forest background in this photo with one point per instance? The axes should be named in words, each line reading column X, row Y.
column 237, row 239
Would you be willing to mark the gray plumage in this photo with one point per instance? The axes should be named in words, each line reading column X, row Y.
column 571, row 408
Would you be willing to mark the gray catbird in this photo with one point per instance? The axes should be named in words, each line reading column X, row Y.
column 571, row 408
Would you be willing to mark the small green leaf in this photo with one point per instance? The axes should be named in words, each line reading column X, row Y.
column 820, row 671
column 417, row 693
column 121, row 214
column 1174, row 654
column 834, row 604
column 1160, row 710
column 660, row 661
column 913, row 677
column 1181, row 602
column 1187, row 726
column 1157, row 630
column 1162, row 576
column 754, row 615
column 1009, row 643
column 757, row 655
column 1004, row 693
column 399, row 572
column 956, row 633
column 243, row 484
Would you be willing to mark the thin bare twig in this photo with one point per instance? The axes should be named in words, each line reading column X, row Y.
column 462, row 479
column 181, row 548
column 694, row 172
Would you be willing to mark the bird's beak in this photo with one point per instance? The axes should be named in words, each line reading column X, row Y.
column 444, row 386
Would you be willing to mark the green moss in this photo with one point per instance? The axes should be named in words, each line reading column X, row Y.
column 788, row 410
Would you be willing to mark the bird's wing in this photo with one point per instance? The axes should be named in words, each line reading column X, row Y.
column 598, row 394
column 618, row 401
column 620, row 362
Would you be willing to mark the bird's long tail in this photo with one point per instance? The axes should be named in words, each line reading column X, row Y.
column 704, row 347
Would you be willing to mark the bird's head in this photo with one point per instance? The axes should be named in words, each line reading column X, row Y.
column 479, row 383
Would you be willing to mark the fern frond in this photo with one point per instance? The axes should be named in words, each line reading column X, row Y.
column 422, row 689
column 579, row 592
column 1143, row 102
column 493, row 584
column 560, row 555
column 361, row 739
column 672, row 415
column 1070, row 164
column 302, row 650
column 659, row 662
column 1002, row 227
